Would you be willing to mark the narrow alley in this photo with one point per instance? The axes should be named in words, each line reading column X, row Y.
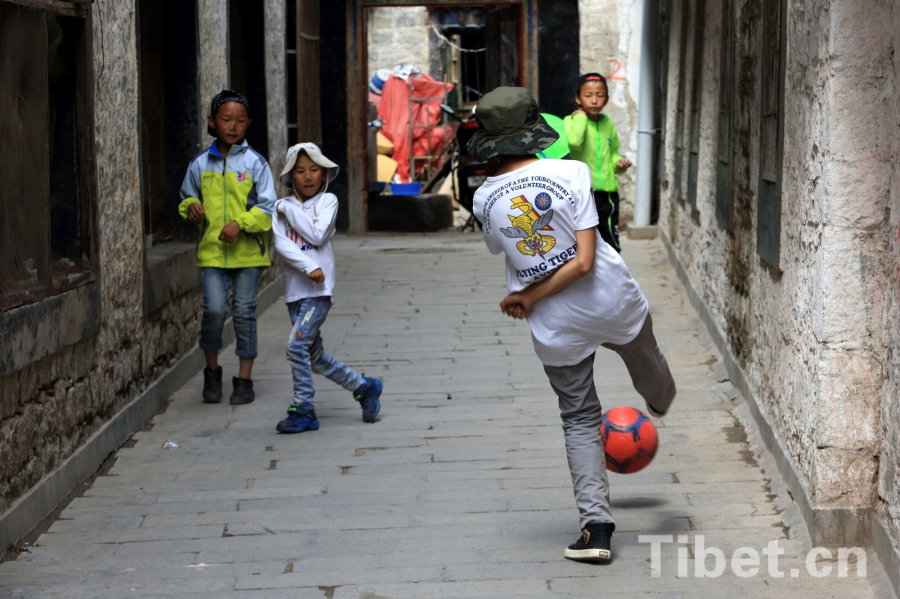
column 460, row 489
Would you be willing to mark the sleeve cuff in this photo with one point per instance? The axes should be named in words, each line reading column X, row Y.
column 587, row 223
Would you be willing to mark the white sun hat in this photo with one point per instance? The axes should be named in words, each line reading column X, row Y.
column 315, row 154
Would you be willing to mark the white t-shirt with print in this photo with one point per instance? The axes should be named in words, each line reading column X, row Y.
column 531, row 215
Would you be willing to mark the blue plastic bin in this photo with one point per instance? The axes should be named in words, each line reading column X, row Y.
column 406, row 189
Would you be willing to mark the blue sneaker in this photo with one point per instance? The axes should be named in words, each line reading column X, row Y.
column 367, row 395
column 297, row 422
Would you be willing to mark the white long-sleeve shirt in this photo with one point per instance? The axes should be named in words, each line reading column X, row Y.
column 303, row 232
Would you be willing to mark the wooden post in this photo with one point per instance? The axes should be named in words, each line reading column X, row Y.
column 357, row 180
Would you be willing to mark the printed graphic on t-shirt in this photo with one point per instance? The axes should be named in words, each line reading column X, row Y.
column 533, row 231
column 528, row 226
column 299, row 240
column 543, row 199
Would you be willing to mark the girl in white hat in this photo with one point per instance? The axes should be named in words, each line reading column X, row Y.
column 304, row 225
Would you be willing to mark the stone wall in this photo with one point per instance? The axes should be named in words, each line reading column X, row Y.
column 397, row 35
column 610, row 39
column 276, row 73
column 213, row 43
column 888, row 489
column 49, row 408
column 810, row 333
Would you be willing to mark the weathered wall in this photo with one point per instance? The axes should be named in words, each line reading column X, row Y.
column 888, row 490
column 65, row 397
column 807, row 334
column 610, row 40
column 49, row 408
column 275, row 80
column 213, row 25
column 396, row 35
column 855, row 233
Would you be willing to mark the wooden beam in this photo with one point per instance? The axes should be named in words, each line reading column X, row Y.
column 357, row 101
column 441, row 4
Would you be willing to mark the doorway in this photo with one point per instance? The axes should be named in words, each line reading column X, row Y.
column 169, row 105
column 449, row 42
column 247, row 65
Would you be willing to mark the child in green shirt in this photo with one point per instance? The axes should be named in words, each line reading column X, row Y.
column 593, row 140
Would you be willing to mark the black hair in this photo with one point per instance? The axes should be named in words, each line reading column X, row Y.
column 591, row 77
column 223, row 97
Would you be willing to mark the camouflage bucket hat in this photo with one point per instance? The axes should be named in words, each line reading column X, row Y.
column 509, row 123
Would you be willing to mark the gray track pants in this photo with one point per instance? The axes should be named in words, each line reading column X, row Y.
column 581, row 414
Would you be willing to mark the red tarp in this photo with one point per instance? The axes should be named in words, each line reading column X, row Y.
column 394, row 110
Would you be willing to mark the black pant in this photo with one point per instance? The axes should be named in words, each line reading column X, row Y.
column 608, row 210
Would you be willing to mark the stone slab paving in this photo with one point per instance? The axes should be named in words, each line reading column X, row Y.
column 461, row 487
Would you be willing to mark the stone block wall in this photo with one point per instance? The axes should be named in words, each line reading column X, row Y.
column 50, row 407
column 396, row 35
column 815, row 333
column 888, row 485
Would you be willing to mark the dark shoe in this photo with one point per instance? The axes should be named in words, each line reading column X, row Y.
column 297, row 422
column 212, row 385
column 654, row 413
column 593, row 546
column 367, row 395
column 243, row 391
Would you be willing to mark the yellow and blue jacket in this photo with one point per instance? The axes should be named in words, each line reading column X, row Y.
column 237, row 187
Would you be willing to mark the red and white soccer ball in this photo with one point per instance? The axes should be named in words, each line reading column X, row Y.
column 629, row 439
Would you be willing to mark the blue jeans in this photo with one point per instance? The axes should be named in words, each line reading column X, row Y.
column 244, row 282
column 306, row 354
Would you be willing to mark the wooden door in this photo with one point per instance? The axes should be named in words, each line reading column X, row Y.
column 309, row 121
column 503, row 43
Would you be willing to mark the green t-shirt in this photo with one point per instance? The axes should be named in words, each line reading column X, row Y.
column 597, row 145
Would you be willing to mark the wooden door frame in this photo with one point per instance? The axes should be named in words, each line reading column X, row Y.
column 357, row 97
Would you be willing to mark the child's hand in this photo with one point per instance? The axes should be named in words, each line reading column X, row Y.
column 517, row 305
column 230, row 232
column 579, row 111
column 316, row 276
column 195, row 213
column 623, row 164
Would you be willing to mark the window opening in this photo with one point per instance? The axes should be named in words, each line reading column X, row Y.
column 659, row 152
column 768, row 228
column 462, row 60
column 725, row 150
column 46, row 210
column 170, row 113
column 291, row 70
column 247, row 65
column 696, row 101
column 680, row 101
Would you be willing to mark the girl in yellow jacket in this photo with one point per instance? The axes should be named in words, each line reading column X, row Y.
column 228, row 189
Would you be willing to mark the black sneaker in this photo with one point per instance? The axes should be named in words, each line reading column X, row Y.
column 593, row 546
column 212, row 385
column 243, row 391
column 653, row 412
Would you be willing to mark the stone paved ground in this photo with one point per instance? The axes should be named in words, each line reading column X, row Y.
column 459, row 490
